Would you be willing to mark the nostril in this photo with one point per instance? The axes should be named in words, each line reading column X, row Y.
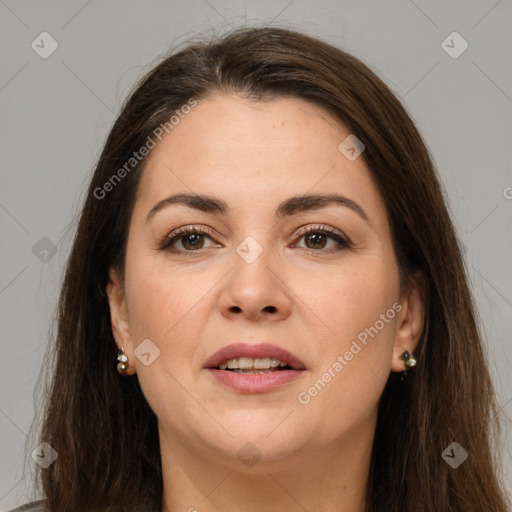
column 270, row 309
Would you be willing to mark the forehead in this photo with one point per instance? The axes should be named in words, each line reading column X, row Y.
column 255, row 152
column 227, row 128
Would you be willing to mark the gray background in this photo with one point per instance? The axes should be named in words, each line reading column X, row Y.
column 56, row 113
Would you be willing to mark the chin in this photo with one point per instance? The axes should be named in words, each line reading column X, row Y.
column 268, row 432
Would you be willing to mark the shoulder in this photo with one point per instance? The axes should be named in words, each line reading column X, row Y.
column 33, row 506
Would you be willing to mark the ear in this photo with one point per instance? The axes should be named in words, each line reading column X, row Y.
column 119, row 317
column 410, row 320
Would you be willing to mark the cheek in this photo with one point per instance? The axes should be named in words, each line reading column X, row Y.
column 170, row 304
column 352, row 297
column 354, row 354
column 163, row 309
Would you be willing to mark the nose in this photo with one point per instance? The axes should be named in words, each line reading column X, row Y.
column 256, row 290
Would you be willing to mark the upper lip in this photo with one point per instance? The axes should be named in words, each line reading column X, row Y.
column 253, row 350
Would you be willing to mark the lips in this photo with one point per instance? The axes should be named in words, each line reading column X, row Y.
column 254, row 381
column 259, row 350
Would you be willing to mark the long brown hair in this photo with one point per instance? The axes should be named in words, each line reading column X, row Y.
column 100, row 424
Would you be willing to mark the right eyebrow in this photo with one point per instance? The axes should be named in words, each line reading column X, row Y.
column 196, row 201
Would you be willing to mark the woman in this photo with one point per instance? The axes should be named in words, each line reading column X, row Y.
column 266, row 305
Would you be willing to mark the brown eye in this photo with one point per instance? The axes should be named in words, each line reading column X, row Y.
column 192, row 241
column 187, row 240
column 317, row 240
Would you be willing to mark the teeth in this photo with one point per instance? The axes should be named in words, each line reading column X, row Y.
column 244, row 363
column 233, row 363
column 249, row 363
column 262, row 363
column 252, row 372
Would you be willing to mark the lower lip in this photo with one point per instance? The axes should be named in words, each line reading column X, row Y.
column 256, row 382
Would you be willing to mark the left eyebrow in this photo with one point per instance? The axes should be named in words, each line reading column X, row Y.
column 290, row 206
column 297, row 204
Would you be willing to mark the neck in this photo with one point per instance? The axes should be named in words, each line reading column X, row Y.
column 321, row 479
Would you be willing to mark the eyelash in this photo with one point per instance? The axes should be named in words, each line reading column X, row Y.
column 168, row 240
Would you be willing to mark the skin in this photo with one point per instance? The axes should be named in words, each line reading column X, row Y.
column 253, row 155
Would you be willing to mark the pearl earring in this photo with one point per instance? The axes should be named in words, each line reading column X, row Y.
column 122, row 366
column 409, row 359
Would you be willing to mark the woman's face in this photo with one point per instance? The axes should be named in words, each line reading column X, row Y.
column 315, row 278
